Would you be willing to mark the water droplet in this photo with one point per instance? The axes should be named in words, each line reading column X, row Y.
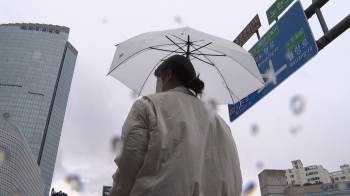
column 260, row 165
column 295, row 129
column 250, row 189
column 104, row 20
column 117, row 145
column 298, row 104
column 255, row 129
column 211, row 106
column 3, row 155
column 74, row 182
column 18, row 192
column 178, row 19
column 133, row 95
column 37, row 54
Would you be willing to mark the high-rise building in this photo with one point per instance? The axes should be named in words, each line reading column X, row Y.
column 36, row 69
column 19, row 171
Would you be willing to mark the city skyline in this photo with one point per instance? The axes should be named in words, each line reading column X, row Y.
column 36, row 69
column 269, row 135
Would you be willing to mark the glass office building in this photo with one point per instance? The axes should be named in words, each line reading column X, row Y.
column 36, row 69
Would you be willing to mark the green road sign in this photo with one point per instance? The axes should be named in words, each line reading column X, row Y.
column 296, row 39
column 276, row 9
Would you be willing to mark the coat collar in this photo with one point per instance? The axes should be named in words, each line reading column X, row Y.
column 181, row 89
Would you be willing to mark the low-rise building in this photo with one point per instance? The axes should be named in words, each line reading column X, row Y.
column 342, row 175
column 299, row 175
column 305, row 181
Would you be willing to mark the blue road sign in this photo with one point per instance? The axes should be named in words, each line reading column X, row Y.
column 287, row 46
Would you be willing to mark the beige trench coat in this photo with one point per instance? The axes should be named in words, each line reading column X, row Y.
column 174, row 147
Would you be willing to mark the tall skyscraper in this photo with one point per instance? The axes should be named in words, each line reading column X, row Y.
column 36, row 69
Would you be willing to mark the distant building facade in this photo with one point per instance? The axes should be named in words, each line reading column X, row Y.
column 334, row 189
column 36, row 69
column 342, row 175
column 19, row 171
column 105, row 190
column 272, row 182
column 300, row 175
column 59, row 193
column 305, row 181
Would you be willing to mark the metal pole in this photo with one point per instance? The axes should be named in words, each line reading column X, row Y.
column 337, row 30
column 321, row 19
column 257, row 34
column 310, row 11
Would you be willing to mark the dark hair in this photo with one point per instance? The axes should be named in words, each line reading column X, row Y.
column 183, row 69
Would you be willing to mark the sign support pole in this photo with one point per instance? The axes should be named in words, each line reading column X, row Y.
column 337, row 30
column 321, row 19
column 257, row 34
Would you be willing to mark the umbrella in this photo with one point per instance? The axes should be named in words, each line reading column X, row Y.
column 228, row 71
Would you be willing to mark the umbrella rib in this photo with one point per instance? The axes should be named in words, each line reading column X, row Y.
column 202, row 60
column 153, row 69
column 202, row 47
column 134, row 55
column 175, row 43
column 210, row 54
column 186, row 41
column 165, row 50
column 234, row 60
column 230, row 92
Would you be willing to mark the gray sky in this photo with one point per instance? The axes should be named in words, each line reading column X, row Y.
column 98, row 104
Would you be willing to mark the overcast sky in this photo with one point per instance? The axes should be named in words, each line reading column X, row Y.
column 98, row 104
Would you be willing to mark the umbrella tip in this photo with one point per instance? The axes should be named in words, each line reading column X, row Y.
column 116, row 45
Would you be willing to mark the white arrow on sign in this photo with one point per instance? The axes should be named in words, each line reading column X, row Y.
column 271, row 75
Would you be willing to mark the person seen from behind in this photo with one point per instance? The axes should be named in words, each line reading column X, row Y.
column 172, row 145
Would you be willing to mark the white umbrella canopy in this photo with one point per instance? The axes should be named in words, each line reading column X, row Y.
column 227, row 70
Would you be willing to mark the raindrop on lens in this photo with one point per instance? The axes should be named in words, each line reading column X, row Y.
column 104, row 20
column 250, row 189
column 133, row 95
column 178, row 19
column 3, row 155
column 37, row 54
column 297, row 104
column 295, row 130
column 259, row 165
column 74, row 182
column 255, row 129
column 211, row 106
column 117, row 145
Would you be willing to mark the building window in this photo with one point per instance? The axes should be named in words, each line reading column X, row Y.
column 343, row 177
column 37, row 28
column 44, row 29
column 307, row 174
column 293, row 181
column 50, row 30
column 57, row 31
column 24, row 27
column 292, row 176
column 295, row 163
column 308, row 180
column 31, row 28
column 313, row 179
column 296, row 167
column 336, row 179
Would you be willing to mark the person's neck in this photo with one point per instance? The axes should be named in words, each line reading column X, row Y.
column 166, row 88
